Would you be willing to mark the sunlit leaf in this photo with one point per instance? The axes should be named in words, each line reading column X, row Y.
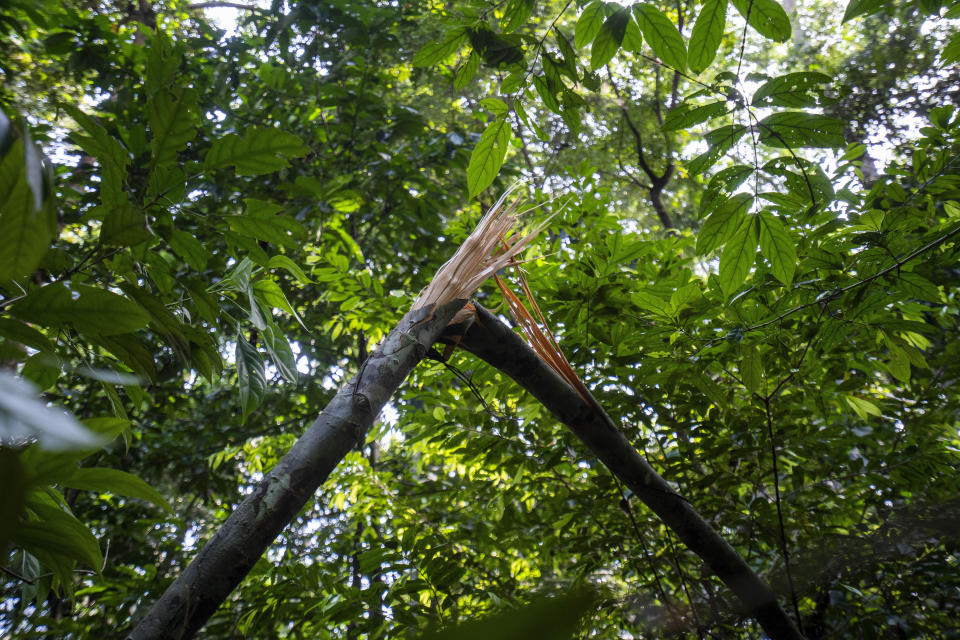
column 707, row 34
column 662, row 36
column 739, row 254
column 488, row 156
column 777, row 247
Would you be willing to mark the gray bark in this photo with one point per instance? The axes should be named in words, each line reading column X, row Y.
column 230, row 554
column 494, row 342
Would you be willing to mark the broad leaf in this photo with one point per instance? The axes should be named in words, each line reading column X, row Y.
column 26, row 335
column 28, row 220
column 767, row 17
column 722, row 223
column 112, row 155
column 738, row 256
column 262, row 222
column 435, row 52
column 856, row 8
column 283, row 262
column 279, row 349
column 51, row 530
column 251, row 377
column 125, row 225
column 951, row 52
column 488, row 156
column 88, row 309
column 791, row 129
column 171, row 117
column 190, row 249
column 607, row 42
column 662, row 36
column 24, row 416
column 683, row 116
column 261, row 150
column 793, row 90
column 751, row 370
column 707, row 34
column 777, row 247
column 516, row 14
column 115, row 481
column 721, row 141
column 466, row 71
column 589, row 23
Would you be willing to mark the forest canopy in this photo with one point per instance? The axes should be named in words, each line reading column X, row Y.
column 701, row 387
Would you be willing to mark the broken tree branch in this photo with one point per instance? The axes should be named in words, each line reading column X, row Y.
column 495, row 343
column 230, row 554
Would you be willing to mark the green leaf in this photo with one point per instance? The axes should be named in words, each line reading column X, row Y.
column 51, row 530
column 24, row 415
column 88, row 309
column 751, row 370
column 279, row 349
column 260, row 150
column 951, row 52
column 238, row 278
column 261, row 222
column 545, row 619
column 435, row 52
column 496, row 106
column 793, row 90
column 662, row 36
column 130, row 352
column 707, row 34
column 24, row 334
column 15, row 485
column 516, row 15
column 251, row 377
column 546, row 95
column 767, row 17
column 790, row 129
column 271, row 293
column 632, row 37
column 496, row 49
column 112, row 155
column 466, row 71
column 190, row 249
column 777, row 247
column 28, row 220
column 652, row 303
column 488, row 156
column 683, row 116
column 125, row 225
column 162, row 319
column 171, row 116
column 856, row 8
column 589, row 23
column 899, row 362
column 607, row 42
column 863, row 408
column 117, row 482
column 721, row 140
column 738, row 256
column 722, row 223
column 283, row 262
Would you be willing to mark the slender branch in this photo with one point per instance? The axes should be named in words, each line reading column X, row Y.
column 494, row 342
column 833, row 295
column 784, row 549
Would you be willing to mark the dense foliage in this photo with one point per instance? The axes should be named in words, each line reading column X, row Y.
column 753, row 265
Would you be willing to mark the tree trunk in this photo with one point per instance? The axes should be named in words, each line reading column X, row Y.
column 494, row 342
column 230, row 554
